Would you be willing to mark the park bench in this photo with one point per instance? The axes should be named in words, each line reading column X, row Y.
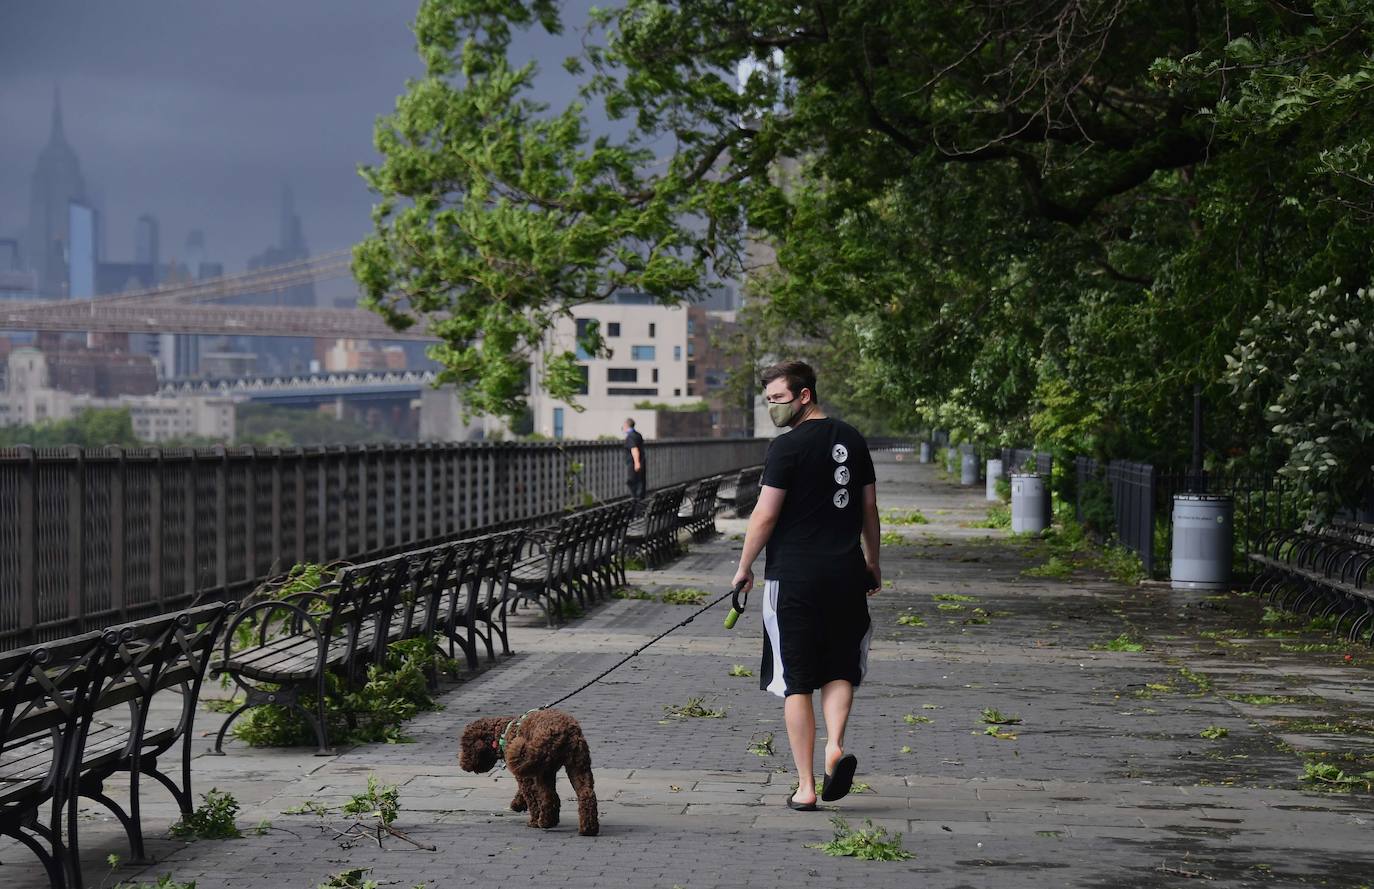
column 455, row 591
column 165, row 653
column 45, row 711
column 287, row 648
column 580, row 558
column 1322, row 571
column 697, row 514
column 653, row 536
column 62, row 735
column 740, row 493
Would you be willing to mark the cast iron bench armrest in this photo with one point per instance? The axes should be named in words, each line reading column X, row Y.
column 300, row 618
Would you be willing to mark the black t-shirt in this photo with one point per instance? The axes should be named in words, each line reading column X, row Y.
column 824, row 466
column 634, row 440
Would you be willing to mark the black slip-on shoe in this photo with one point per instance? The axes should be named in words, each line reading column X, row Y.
column 836, row 785
column 801, row 807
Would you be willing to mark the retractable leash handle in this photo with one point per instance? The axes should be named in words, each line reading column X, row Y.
column 736, row 606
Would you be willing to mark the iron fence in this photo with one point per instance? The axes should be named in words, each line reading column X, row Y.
column 1141, row 504
column 1013, row 459
column 94, row 537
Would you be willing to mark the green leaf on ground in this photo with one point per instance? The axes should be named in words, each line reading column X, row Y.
column 869, row 844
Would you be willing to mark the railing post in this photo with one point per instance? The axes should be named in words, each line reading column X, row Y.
column 76, row 526
column 1148, row 514
column 28, row 542
column 117, row 498
column 298, row 493
column 155, row 470
column 221, row 516
column 250, row 514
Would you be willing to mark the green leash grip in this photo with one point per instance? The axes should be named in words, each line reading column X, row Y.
column 736, row 607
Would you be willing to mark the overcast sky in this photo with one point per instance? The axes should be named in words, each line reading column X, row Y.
column 199, row 111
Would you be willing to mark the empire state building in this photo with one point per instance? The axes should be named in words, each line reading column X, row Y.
column 56, row 184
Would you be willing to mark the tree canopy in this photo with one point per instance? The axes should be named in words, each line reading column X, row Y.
column 1037, row 220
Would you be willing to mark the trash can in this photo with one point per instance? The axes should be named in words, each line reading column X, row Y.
column 968, row 469
column 1204, row 530
column 994, row 473
column 925, row 452
column 1030, row 503
column 951, row 459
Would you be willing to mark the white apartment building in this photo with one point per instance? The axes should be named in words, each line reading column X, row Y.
column 28, row 399
column 649, row 351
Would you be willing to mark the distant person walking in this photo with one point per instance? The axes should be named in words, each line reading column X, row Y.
column 634, row 460
column 818, row 500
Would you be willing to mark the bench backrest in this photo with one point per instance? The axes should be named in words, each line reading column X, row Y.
column 359, row 609
column 170, row 650
column 45, row 694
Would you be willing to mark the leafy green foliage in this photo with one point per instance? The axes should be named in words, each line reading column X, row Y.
column 905, row 517
column 1056, row 567
column 695, row 708
column 213, row 819
column 911, row 619
column 497, row 215
column 92, row 428
column 1006, row 222
column 285, row 427
column 868, row 844
column 993, row 716
column 1329, row 777
column 380, row 802
column 762, row 745
column 739, row 670
column 1122, row 642
column 684, row 596
column 374, row 711
column 1214, row 733
column 353, row 878
column 999, row 516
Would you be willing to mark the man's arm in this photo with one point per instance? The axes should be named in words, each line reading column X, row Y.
column 761, row 523
column 872, row 536
column 639, row 462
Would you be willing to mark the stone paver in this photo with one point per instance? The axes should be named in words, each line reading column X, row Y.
column 1107, row 782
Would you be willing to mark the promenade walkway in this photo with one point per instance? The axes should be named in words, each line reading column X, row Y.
column 1107, row 782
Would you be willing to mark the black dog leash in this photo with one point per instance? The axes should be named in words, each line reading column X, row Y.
column 737, row 608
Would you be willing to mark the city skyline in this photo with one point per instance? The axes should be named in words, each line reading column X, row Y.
column 199, row 116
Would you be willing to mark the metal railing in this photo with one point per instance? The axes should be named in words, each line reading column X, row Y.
column 1141, row 500
column 89, row 538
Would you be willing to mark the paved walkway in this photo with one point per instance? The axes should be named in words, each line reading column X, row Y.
column 1106, row 784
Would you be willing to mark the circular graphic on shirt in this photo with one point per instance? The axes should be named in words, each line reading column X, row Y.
column 840, row 453
column 841, row 475
column 841, row 498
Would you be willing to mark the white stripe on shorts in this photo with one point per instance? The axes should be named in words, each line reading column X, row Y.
column 778, row 685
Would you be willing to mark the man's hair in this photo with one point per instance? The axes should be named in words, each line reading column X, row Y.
column 798, row 375
column 630, row 421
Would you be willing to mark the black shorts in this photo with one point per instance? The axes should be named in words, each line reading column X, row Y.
column 815, row 631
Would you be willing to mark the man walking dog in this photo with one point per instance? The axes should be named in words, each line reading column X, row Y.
column 818, row 499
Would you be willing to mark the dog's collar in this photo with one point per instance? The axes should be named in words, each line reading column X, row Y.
column 501, row 742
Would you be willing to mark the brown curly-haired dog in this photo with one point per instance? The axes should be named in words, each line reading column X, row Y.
column 536, row 747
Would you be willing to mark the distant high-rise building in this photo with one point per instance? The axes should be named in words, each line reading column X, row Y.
column 147, row 241
column 282, row 354
column 56, row 185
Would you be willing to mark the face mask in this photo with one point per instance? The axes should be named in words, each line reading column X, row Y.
column 783, row 414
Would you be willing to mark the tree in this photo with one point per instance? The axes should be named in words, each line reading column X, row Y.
column 497, row 216
column 94, row 428
column 1046, row 219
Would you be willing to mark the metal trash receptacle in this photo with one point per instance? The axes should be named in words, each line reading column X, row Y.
column 1030, row 503
column 925, row 452
column 1204, row 533
column 968, row 469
